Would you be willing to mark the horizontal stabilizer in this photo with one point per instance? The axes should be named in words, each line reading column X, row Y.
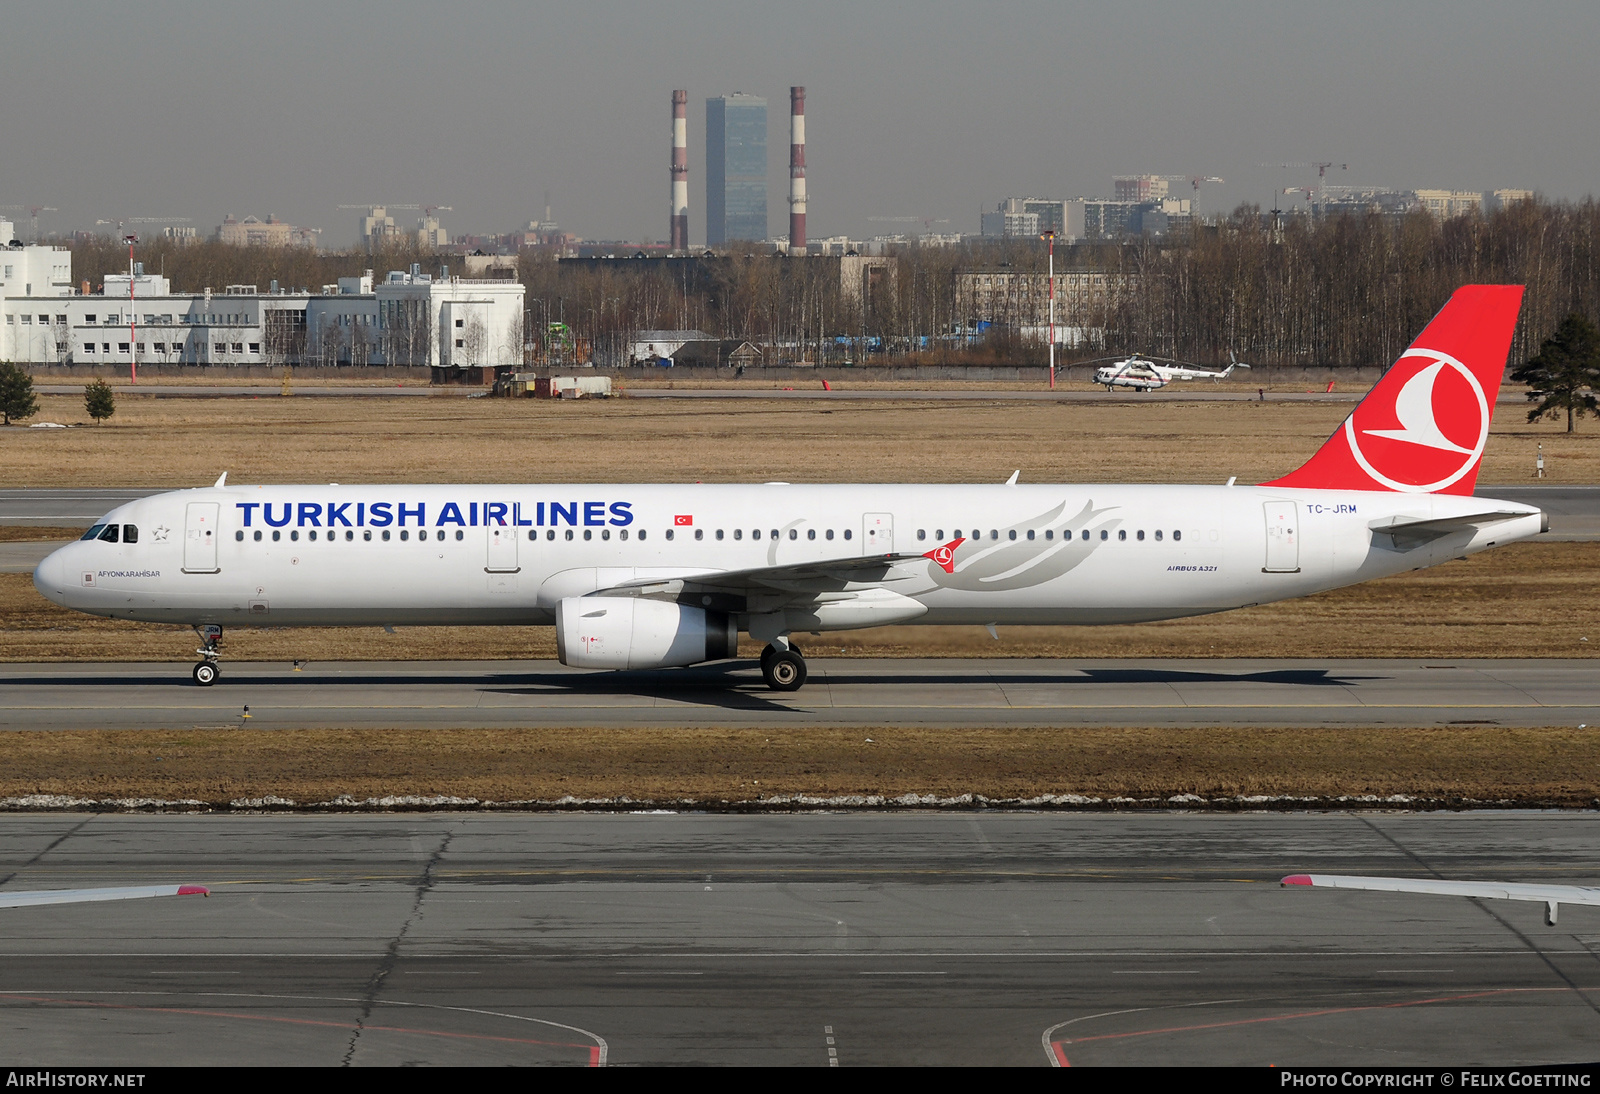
column 86, row 896
column 1408, row 531
column 1549, row 895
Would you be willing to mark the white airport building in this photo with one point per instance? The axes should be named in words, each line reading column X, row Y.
column 408, row 318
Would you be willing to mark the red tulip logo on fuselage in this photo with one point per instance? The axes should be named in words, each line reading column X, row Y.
column 1434, row 431
column 945, row 557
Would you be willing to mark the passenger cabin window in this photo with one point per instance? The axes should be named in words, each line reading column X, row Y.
column 811, row 533
column 1158, row 535
column 1140, row 535
column 847, row 533
column 1176, row 535
column 257, row 536
column 1122, row 533
column 828, row 534
column 719, row 533
column 699, row 533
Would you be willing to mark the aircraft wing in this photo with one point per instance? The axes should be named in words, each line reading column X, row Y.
column 826, row 576
column 85, row 896
column 1410, row 531
column 1551, row 896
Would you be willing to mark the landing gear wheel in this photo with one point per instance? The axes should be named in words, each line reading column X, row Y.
column 784, row 670
column 205, row 673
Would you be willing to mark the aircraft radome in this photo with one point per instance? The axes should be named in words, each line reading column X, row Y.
column 653, row 576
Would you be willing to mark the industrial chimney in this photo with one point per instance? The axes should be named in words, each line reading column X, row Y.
column 797, row 170
column 680, row 171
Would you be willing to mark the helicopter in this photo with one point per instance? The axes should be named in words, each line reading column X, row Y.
column 1149, row 373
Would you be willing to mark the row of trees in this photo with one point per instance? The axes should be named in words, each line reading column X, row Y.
column 1344, row 291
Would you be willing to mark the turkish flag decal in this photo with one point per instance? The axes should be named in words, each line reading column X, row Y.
column 683, row 520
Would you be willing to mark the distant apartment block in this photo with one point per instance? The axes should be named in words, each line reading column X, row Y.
column 736, row 168
column 1140, row 188
column 1022, row 300
column 271, row 232
column 1445, row 204
column 1086, row 218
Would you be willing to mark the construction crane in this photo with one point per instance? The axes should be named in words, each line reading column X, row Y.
column 926, row 222
column 1194, row 181
column 429, row 210
column 378, row 205
column 33, row 214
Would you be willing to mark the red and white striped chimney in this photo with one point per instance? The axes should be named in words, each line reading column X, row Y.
column 680, row 171
column 797, row 170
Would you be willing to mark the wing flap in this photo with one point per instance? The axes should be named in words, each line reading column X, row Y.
column 832, row 575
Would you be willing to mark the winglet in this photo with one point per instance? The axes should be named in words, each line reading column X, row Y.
column 193, row 890
column 222, row 480
column 1296, row 879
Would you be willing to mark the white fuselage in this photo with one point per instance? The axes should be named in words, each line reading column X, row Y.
column 496, row 554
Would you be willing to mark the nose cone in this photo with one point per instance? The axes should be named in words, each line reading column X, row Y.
column 50, row 576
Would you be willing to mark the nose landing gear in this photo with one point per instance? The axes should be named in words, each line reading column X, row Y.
column 783, row 669
column 206, row 672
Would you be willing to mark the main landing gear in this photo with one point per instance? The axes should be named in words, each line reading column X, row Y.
column 784, row 669
column 206, row 672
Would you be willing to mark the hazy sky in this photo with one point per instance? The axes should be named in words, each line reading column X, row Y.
column 935, row 109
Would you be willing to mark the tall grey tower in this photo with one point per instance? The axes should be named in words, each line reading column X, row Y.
column 736, row 168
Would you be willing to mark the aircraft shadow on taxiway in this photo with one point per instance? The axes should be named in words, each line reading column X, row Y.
column 723, row 677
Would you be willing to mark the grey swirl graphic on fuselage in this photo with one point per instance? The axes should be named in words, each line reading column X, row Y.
column 1021, row 563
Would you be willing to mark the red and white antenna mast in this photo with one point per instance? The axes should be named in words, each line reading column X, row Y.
column 1051, row 236
column 133, row 341
column 680, row 171
column 797, row 170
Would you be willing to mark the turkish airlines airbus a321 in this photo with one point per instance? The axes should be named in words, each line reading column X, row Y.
column 643, row 577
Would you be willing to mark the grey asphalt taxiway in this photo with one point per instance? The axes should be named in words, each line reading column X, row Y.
column 935, row 692
column 818, row 939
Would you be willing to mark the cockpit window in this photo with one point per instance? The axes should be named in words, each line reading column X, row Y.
column 130, row 533
column 110, row 535
column 93, row 533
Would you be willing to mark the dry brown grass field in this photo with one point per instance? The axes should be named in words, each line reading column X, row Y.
column 179, row 441
column 722, row 767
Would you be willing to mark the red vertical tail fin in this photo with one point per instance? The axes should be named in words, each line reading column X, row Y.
column 1422, row 429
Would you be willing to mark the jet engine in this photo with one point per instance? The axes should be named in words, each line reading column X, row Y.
column 621, row 632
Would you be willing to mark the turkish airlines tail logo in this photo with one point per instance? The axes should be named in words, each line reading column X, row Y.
column 945, row 557
column 1423, row 428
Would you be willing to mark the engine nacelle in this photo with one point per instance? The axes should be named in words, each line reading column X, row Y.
column 623, row 632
